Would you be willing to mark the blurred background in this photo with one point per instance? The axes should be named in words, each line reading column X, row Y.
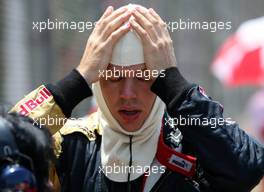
column 29, row 58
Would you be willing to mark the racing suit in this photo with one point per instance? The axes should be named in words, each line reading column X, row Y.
column 226, row 158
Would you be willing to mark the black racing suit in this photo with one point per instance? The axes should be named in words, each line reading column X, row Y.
column 228, row 160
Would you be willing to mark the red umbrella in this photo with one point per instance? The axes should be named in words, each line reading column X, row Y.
column 240, row 60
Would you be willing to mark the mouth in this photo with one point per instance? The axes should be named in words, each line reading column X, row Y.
column 129, row 115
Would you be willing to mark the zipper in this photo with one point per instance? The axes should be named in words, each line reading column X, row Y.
column 130, row 163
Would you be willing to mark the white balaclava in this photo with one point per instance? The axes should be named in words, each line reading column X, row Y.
column 115, row 147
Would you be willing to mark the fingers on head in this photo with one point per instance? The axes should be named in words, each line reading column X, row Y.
column 140, row 31
column 117, row 34
column 117, row 22
column 107, row 12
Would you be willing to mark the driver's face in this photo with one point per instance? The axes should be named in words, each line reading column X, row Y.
column 129, row 99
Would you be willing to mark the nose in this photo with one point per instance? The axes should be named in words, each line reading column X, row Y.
column 128, row 89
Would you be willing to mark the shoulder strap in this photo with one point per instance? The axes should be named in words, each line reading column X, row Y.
column 169, row 151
